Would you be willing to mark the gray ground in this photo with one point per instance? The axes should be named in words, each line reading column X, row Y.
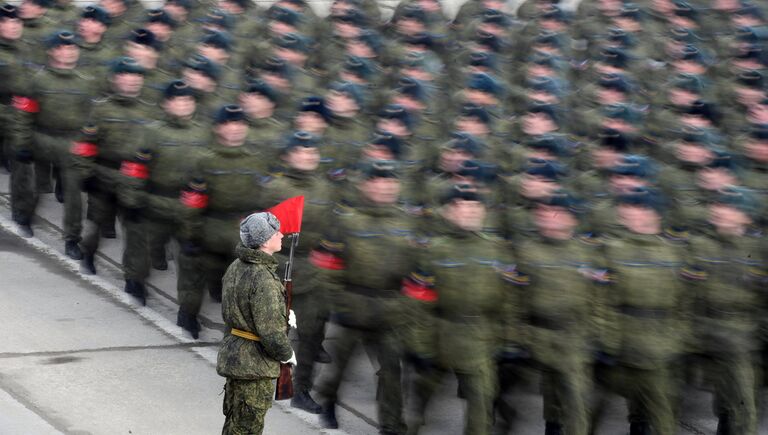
column 79, row 356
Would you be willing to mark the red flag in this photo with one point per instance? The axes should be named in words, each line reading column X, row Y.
column 289, row 214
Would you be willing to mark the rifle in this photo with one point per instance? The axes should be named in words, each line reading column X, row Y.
column 284, row 388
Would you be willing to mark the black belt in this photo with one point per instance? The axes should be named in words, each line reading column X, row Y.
column 550, row 323
column 372, row 292
column 57, row 131
column 167, row 193
column 645, row 313
column 718, row 313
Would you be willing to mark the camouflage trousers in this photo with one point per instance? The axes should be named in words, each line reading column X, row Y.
column 245, row 405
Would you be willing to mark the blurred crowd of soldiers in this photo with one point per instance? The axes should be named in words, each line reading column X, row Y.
column 581, row 192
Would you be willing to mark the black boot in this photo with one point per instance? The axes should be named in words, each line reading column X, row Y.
column 72, row 250
column 328, row 417
column 108, row 231
column 58, row 190
column 323, row 357
column 160, row 263
column 303, row 400
column 87, row 264
column 639, row 428
column 723, row 425
column 189, row 323
column 25, row 228
column 137, row 290
column 553, row 428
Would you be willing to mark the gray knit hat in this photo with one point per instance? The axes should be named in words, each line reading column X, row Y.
column 257, row 228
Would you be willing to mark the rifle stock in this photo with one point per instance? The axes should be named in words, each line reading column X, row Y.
column 284, row 388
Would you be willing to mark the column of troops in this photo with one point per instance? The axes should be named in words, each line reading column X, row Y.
column 579, row 192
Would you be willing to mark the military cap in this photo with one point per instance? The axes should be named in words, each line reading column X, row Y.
column 692, row 53
column 186, row 4
column 619, row 111
column 245, row 4
column 614, row 56
column 461, row 192
column 219, row 18
column 411, row 88
column 144, row 37
column 352, row 16
column 44, row 3
column 702, row 109
column 8, row 10
column 642, row 197
column 301, row 139
column 294, row 42
column 694, row 135
column 740, row 199
column 352, row 90
column 389, row 141
column 613, row 139
column 465, row 142
column 759, row 133
column 371, row 38
column 545, row 84
column 484, row 83
column 544, row 108
column 683, row 35
column 751, row 51
column 684, row 9
column 422, row 39
column 481, row 59
column 59, row 38
column 178, row 88
column 747, row 34
column 614, row 81
column 723, row 159
column 477, row 170
column 160, row 16
column 553, row 12
column 275, row 65
column 316, row 105
column 96, row 13
column 493, row 16
column 203, row 65
column 631, row 11
column 358, row 66
column 561, row 199
column 620, row 36
column 262, row 88
column 258, row 228
column 688, row 82
column 414, row 12
column 750, row 11
column 396, row 111
column 216, row 39
column 547, row 38
column 543, row 168
column 285, row 15
column 380, row 169
column 635, row 166
column 415, row 59
column 471, row 110
column 488, row 40
column 229, row 113
column 126, row 65
column 547, row 142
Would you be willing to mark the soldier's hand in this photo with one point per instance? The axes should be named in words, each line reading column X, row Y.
column 291, row 360
column 292, row 319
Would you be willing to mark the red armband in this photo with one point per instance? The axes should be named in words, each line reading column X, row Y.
column 326, row 260
column 193, row 199
column 84, row 149
column 25, row 104
column 134, row 170
column 418, row 291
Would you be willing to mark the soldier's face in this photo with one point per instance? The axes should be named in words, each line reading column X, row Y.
column 467, row 215
column 714, row 179
column 253, row 103
column 381, row 190
column 161, row 31
column 11, row 29
column 339, row 103
column 67, row 54
column 346, row 30
column 693, row 153
column 681, row 97
column 748, row 96
column 303, row 158
column 471, row 125
column 198, row 81
column 231, row 133
column 538, row 123
column 180, row 107
column 407, row 26
column 605, row 157
column 144, row 54
column 394, row 126
column 360, row 49
column 29, row 10
column 279, row 28
column 89, row 28
column 626, row 183
column 216, row 54
column 554, row 219
column 176, row 12
column 725, row 217
column 758, row 114
column 451, row 159
column 757, row 150
column 114, row 8
column 128, row 84
column 311, row 122
column 274, row 244
column 644, row 220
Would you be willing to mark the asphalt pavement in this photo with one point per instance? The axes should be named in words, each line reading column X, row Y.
column 79, row 356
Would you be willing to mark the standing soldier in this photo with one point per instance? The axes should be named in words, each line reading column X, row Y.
column 455, row 303
column 254, row 311
column 233, row 175
column 120, row 120
column 301, row 158
column 727, row 270
column 95, row 52
column 647, row 313
column 362, row 261
column 11, row 71
column 46, row 121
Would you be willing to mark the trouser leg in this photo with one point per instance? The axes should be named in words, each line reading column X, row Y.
column 136, row 252
column 734, row 382
column 342, row 349
column 190, row 282
column 390, row 392
column 479, row 387
column 73, row 204
column 311, row 312
column 24, row 197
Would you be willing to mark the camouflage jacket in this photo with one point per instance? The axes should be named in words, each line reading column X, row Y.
column 253, row 300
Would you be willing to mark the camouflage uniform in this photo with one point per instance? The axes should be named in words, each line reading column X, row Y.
column 253, row 300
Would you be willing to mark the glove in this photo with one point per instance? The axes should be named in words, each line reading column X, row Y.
column 24, row 156
column 291, row 360
column 292, row 319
